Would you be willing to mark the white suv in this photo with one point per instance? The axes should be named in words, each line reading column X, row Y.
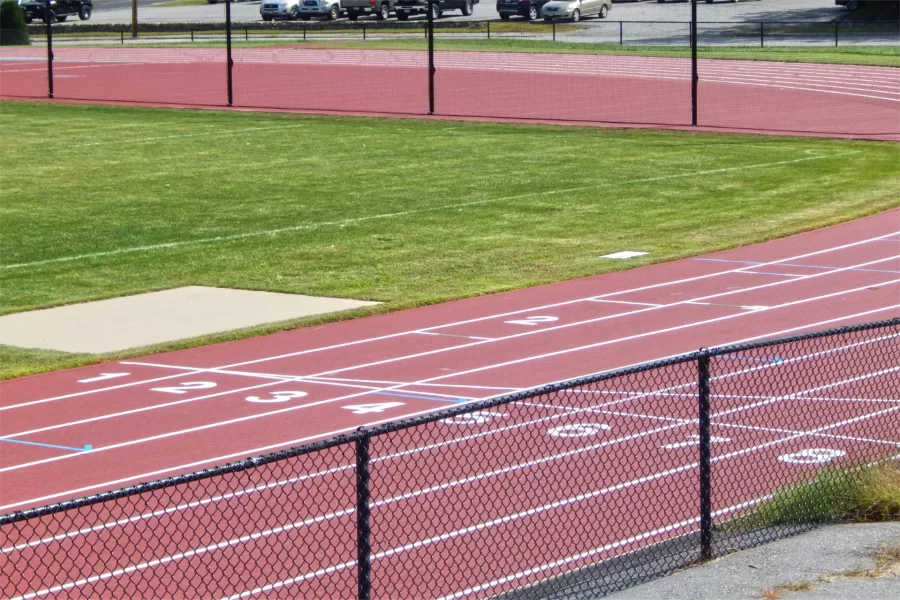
column 279, row 9
column 330, row 9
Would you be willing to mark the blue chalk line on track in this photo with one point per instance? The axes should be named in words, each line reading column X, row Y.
column 85, row 448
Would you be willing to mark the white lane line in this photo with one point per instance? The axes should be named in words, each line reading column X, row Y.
column 478, row 319
column 594, row 320
column 624, row 302
column 568, row 302
column 596, row 409
column 142, row 409
column 694, row 443
column 99, row 390
column 284, row 378
column 535, row 511
column 342, row 222
column 454, row 335
column 255, row 451
column 381, row 383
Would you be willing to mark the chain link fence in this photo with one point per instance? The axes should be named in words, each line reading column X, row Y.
column 808, row 66
column 566, row 491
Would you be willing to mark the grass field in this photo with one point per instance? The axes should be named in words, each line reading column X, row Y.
column 886, row 56
column 99, row 202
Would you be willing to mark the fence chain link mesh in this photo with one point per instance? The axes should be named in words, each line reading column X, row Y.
column 568, row 491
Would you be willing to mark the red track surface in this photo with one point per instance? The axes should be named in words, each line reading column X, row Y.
column 735, row 95
column 177, row 412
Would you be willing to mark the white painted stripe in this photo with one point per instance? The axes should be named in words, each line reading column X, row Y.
column 325, row 435
column 476, row 319
column 285, row 378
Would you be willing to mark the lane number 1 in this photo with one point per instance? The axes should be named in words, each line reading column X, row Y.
column 103, row 377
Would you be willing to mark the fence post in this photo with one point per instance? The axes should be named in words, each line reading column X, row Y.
column 363, row 526
column 246, row 34
column 554, row 29
column 705, row 469
column 122, row 36
column 620, row 33
column 430, row 59
column 489, row 29
column 762, row 34
column 694, row 75
column 364, row 32
column 49, row 51
column 230, row 63
column 192, row 34
column 836, row 25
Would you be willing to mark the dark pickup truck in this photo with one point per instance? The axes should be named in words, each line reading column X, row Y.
column 59, row 10
column 404, row 8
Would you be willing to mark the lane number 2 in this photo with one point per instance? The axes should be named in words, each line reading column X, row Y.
column 185, row 386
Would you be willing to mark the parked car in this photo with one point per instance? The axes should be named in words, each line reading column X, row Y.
column 279, row 9
column 404, row 8
column 60, row 10
column 328, row 9
column 575, row 9
column 529, row 9
column 382, row 9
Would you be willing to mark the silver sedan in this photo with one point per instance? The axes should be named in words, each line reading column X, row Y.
column 575, row 9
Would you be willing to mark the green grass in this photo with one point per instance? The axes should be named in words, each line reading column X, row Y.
column 98, row 202
column 864, row 494
column 886, row 56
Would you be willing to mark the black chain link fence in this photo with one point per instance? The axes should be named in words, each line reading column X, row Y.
column 567, row 491
column 806, row 67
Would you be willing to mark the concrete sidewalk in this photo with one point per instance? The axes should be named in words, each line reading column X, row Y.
column 839, row 562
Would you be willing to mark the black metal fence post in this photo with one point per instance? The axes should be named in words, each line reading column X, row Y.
column 620, row 32
column 553, row 23
column 364, row 31
column 230, row 62
column 363, row 525
column 762, row 34
column 49, row 51
column 705, row 468
column 489, row 30
column 836, row 26
column 430, row 59
column 694, row 75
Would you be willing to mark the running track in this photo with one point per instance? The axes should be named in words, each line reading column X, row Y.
column 177, row 412
column 846, row 100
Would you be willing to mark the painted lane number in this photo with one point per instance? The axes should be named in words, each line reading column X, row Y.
column 812, row 456
column 281, row 396
column 579, row 430
column 364, row 409
column 475, row 418
column 185, row 386
column 532, row 321
column 103, row 377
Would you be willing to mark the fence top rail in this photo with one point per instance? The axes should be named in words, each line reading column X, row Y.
column 252, row 462
column 731, row 349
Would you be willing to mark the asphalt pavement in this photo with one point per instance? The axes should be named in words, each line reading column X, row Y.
column 119, row 11
column 839, row 562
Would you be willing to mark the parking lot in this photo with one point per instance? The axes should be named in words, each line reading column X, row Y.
column 760, row 10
